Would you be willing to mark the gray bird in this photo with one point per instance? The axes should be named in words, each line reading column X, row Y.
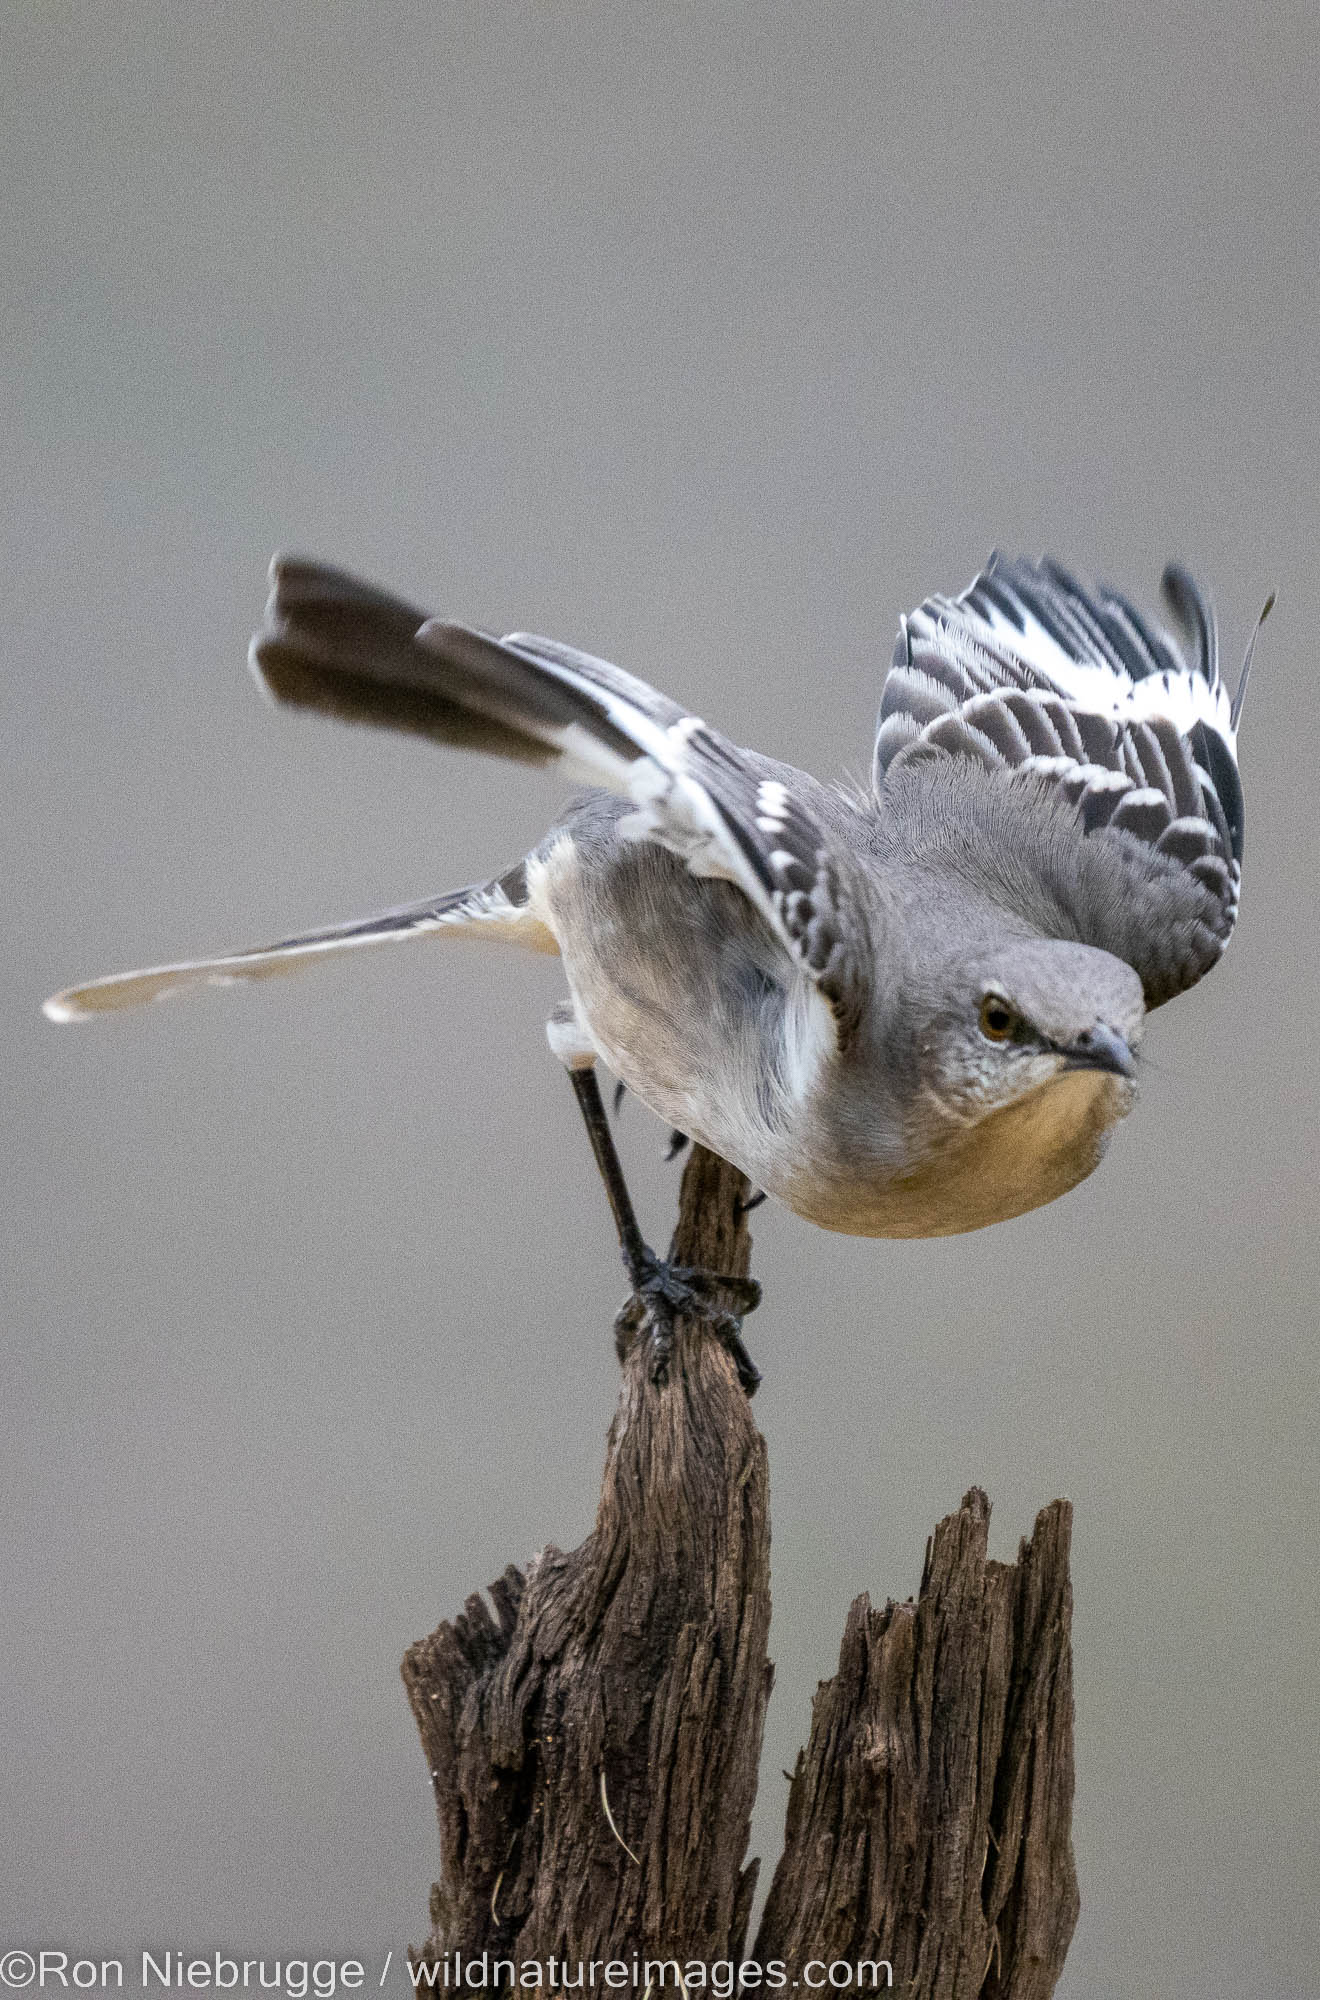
column 906, row 1010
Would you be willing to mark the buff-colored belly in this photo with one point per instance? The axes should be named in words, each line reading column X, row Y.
column 1018, row 1159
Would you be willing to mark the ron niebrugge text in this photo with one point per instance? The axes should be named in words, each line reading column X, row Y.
column 453, row 1975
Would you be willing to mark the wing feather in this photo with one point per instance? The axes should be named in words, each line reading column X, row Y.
column 498, row 907
column 349, row 649
column 1036, row 676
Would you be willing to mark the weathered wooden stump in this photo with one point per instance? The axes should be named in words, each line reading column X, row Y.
column 593, row 1740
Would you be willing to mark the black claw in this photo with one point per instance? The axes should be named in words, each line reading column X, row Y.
column 752, row 1201
column 664, row 1292
column 749, row 1375
column 677, row 1141
column 620, row 1092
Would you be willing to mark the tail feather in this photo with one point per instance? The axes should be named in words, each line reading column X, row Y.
column 350, row 650
column 499, row 907
column 346, row 648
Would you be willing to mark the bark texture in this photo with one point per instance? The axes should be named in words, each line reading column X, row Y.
column 593, row 1732
column 929, row 1816
column 625, row 1681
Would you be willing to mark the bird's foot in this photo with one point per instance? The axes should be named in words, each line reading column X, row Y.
column 665, row 1292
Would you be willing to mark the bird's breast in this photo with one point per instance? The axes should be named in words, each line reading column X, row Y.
column 1015, row 1160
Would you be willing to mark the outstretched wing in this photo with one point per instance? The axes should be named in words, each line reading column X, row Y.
column 498, row 907
column 1071, row 690
column 727, row 812
column 348, row 649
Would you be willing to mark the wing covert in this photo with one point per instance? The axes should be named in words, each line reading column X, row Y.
column 731, row 813
column 1073, row 691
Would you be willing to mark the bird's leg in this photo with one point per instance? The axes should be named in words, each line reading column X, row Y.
column 631, row 1242
column 662, row 1292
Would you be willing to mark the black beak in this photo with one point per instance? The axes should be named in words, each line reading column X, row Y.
column 1100, row 1048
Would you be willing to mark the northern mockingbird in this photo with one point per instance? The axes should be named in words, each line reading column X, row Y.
column 906, row 1009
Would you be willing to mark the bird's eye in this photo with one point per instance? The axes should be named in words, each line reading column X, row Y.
column 997, row 1019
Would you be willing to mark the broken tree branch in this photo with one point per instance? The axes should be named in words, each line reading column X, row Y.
column 593, row 1734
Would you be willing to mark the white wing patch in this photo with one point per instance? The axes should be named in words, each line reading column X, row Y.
column 771, row 805
column 1098, row 686
column 1030, row 672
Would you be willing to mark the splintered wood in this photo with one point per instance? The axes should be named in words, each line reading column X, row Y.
column 593, row 1732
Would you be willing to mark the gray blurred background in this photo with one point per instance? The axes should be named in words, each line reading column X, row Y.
column 710, row 339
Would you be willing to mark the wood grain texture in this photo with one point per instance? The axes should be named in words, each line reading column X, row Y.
column 637, row 1662
column 929, row 1815
column 593, row 1732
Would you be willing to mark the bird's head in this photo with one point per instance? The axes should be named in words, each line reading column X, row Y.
column 1022, row 1061
column 1025, row 1015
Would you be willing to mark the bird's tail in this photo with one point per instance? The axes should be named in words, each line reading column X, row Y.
column 345, row 648
column 496, row 908
column 349, row 649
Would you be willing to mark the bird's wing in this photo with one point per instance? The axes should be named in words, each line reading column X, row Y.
column 498, row 907
column 345, row 648
column 725, row 811
column 1073, row 692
